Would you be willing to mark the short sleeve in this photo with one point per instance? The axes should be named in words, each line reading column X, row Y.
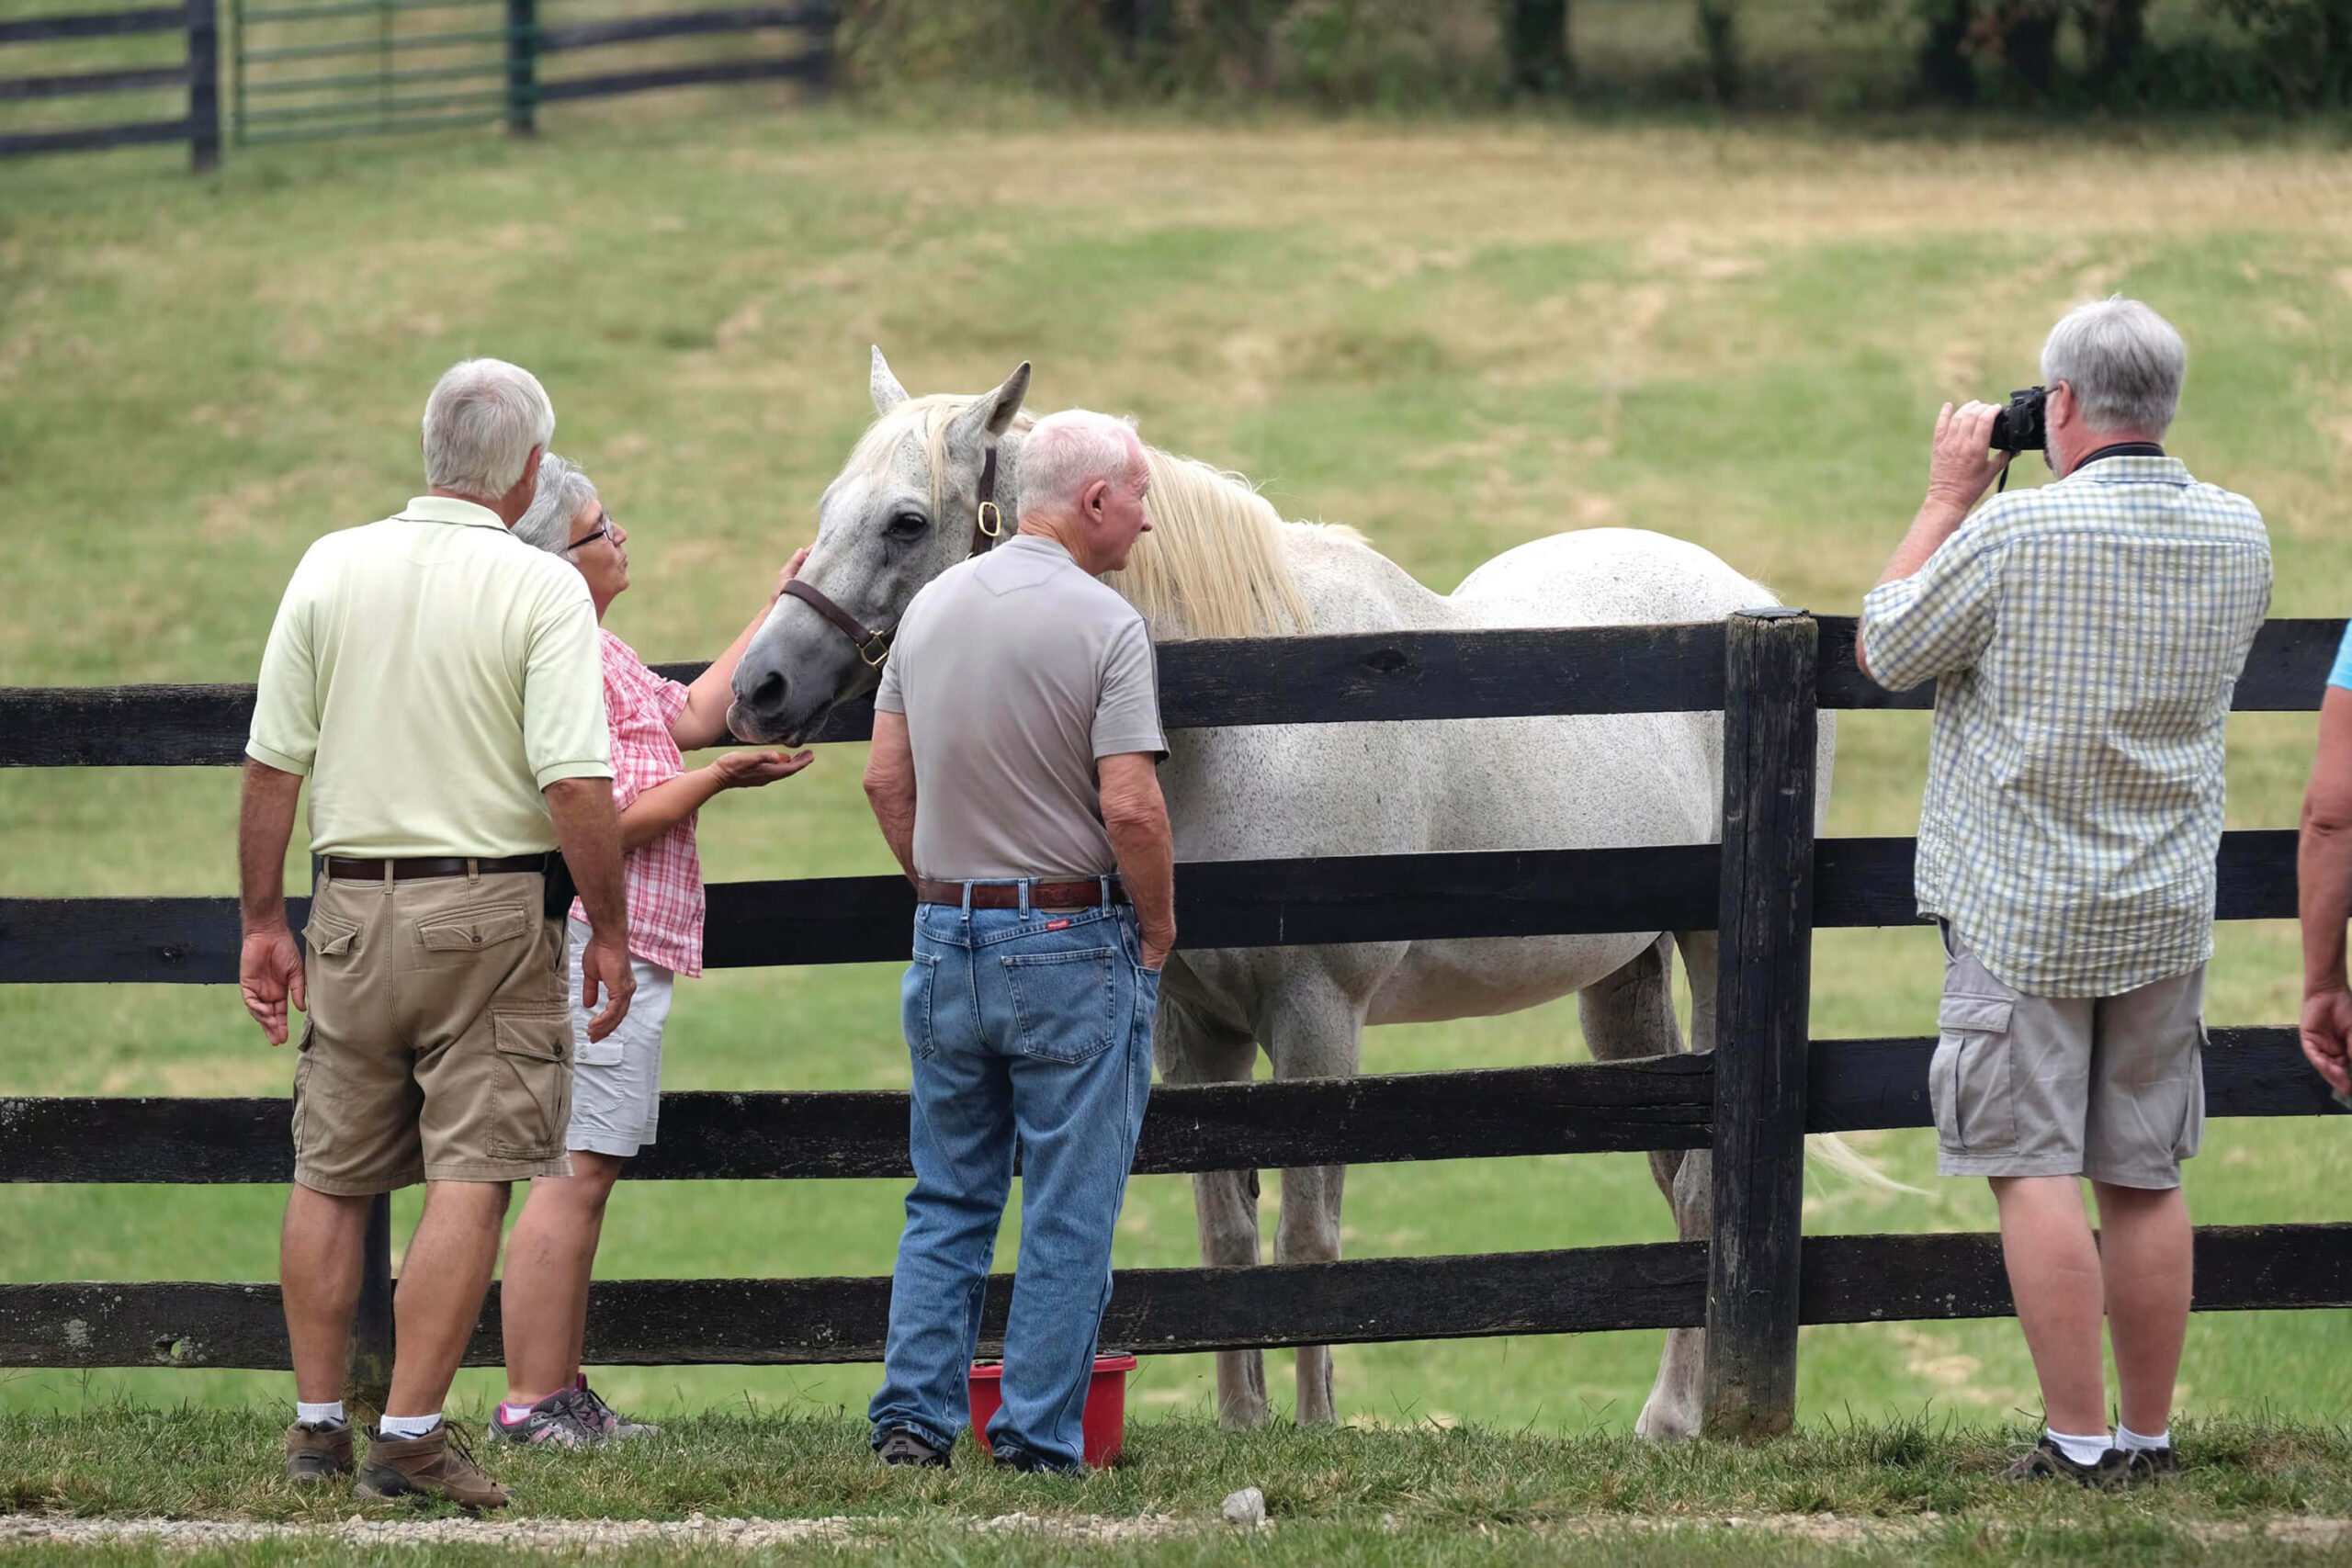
column 1934, row 622
column 285, row 733
column 669, row 699
column 2341, row 674
column 1126, row 715
column 890, row 697
column 565, row 732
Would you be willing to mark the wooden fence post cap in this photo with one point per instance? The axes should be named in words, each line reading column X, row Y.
column 1776, row 612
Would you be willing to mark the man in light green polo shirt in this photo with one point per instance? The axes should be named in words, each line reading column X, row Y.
column 439, row 683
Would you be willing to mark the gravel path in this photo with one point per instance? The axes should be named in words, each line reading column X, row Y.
column 750, row 1535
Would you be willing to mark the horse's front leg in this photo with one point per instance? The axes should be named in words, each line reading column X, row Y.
column 1316, row 1032
column 1191, row 1049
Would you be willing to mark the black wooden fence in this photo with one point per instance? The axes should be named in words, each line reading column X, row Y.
column 199, row 72
column 1766, row 888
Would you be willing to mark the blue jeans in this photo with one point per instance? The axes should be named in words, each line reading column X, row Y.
column 1034, row 1028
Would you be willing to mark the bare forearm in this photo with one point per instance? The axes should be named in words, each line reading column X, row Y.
column 894, row 813
column 265, row 827
column 666, row 805
column 704, row 722
column 1938, row 519
column 2324, row 873
column 1146, row 856
column 590, row 832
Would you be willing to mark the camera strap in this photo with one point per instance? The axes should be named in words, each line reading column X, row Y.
column 2121, row 450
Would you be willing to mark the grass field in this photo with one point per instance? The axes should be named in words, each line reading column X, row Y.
column 1456, row 338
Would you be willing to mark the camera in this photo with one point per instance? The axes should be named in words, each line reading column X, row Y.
column 2020, row 426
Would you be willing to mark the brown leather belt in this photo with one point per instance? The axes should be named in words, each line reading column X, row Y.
column 344, row 869
column 1007, row 895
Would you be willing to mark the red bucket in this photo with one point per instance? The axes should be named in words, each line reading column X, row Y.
column 1106, row 1404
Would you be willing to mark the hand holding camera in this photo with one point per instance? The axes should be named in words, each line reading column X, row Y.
column 1966, row 458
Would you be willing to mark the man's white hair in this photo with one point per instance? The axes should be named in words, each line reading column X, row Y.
column 563, row 491
column 1067, row 451
column 481, row 423
column 2123, row 360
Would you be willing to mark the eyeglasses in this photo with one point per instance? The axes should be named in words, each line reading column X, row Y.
column 603, row 530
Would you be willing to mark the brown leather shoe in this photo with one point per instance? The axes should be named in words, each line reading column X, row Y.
column 434, row 1465
column 314, row 1454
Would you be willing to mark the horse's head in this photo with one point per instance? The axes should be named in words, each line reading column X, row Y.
column 903, row 510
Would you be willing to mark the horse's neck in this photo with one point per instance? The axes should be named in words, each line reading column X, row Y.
column 1351, row 587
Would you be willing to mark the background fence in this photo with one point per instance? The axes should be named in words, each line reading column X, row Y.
column 312, row 70
column 199, row 72
column 1766, row 888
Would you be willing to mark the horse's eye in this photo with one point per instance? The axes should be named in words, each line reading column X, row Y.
column 907, row 525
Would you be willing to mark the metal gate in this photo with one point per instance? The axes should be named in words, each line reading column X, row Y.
column 307, row 70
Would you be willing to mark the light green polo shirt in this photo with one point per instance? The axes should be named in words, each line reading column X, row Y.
column 432, row 674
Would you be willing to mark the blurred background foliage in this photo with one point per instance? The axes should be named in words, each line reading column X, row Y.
column 2069, row 56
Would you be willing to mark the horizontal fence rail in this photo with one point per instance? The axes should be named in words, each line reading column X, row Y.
column 1844, row 1279
column 1664, row 1102
column 198, row 71
column 1219, row 903
column 1350, row 679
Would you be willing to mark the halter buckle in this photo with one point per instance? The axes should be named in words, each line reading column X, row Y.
column 990, row 521
column 874, row 649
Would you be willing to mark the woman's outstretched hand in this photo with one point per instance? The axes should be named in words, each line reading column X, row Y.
column 749, row 770
column 791, row 569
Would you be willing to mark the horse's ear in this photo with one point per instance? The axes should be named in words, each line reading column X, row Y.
column 886, row 392
column 991, row 415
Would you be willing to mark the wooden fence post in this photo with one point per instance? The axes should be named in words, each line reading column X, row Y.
column 367, row 1379
column 203, row 85
column 522, row 67
column 1764, row 978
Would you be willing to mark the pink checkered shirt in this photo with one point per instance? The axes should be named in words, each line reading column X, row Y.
column 665, row 903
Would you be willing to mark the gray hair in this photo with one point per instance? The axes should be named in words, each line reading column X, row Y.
column 1067, row 451
column 481, row 423
column 2123, row 360
column 563, row 491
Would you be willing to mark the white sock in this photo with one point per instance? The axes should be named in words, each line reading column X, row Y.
column 407, row 1425
column 311, row 1415
column 2131, row 1442
column 510, row 1413
column 2082, row 1450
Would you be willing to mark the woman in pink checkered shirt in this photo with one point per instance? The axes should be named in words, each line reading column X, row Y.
column 617, row 1082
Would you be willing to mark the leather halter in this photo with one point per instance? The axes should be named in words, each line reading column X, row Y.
column 874, row 647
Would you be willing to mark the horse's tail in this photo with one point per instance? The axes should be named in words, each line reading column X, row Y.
column 1842, row 1158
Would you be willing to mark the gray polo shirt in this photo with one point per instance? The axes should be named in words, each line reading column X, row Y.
column 1015, row 671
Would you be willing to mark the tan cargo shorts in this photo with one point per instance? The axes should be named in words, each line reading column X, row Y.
column 2112, row 1088
column 437, row 1047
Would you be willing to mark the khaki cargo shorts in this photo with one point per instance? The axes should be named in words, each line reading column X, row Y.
column 437, row 1047
column 2112, row 1088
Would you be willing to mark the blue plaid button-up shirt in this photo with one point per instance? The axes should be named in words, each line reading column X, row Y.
column 2086, row 638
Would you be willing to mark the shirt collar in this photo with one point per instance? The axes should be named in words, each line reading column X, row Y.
column 449, row 509
column 2123, row 470
column 1042, row 543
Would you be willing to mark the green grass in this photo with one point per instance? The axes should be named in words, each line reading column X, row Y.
column 1456, row 338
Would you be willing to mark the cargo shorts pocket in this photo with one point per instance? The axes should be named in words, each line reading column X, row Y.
column 326, row 937
column 530, row 1083
column 2191, row 1136
column 1065, row 1003
column 914, row 1003
column 1969, row 1079
column 470, row 930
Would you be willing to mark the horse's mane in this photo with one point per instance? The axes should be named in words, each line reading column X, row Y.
column 925, row 417
column 1212, row 566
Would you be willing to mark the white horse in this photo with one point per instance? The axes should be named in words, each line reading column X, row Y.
column 1220, row 562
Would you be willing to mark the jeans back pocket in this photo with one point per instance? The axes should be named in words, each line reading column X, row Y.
column 914, row 1003
column 1065, row 1004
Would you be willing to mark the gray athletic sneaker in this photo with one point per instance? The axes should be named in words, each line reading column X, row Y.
column 606, row 1422
column 559, row 1419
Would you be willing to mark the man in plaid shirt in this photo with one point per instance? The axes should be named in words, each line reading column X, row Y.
column 2086, row 638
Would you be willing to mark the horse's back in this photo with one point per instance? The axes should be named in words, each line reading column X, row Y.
column 1598, row 577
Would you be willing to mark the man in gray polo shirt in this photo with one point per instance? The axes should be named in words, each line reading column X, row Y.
column 1016, row 739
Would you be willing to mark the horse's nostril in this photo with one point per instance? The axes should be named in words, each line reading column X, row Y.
column 769, row 692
